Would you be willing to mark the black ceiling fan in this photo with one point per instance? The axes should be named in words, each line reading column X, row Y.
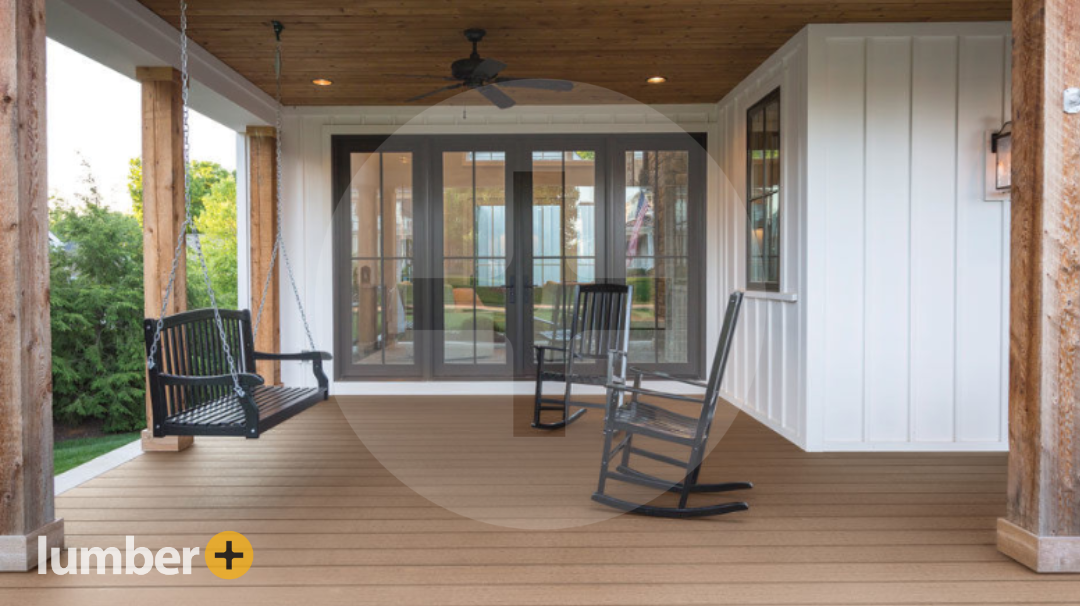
column 482, row 75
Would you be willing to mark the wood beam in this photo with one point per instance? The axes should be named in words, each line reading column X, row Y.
column 262, row 171
column 26, row 435
column 163, row 208
column 1042, row 529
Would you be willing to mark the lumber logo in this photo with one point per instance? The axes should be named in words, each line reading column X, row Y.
column 138, row 560
column 229, row 555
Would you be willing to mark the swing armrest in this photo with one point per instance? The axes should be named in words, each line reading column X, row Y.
column 294, row 357
column 315, row 357
column 246, row 380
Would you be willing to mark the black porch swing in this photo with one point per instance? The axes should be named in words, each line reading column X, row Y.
column 201, row 363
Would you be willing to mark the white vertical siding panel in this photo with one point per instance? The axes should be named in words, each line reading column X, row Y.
column 933, row 236
column 979, row 253
column 1006, row 215
column 844, row 264
column 888, row 139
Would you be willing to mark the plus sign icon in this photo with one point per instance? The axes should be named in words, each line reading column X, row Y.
column 229, row 555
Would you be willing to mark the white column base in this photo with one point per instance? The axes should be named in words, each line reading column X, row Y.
column 19, row 553
column 1041, row 554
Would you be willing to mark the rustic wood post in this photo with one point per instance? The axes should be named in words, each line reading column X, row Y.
column 26, row 434
column 1042, row 528
column 262, row 171
column 163, row 208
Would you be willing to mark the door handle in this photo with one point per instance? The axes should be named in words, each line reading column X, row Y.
column 510, row 292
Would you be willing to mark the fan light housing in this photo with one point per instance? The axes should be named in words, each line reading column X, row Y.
column 322, row 82
column 656, row 80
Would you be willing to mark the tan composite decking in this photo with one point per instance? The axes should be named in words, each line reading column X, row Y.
column 330, row 525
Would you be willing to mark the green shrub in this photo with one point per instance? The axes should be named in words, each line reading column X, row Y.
column 97, row 311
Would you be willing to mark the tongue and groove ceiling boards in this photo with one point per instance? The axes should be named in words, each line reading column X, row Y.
column 704, row 48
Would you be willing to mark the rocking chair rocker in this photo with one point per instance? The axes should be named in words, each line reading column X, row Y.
column 655, row 421
column 601, row 323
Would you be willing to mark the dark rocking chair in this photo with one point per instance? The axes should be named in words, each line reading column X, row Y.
column 652, row 420
column 601, row 323
column 191, row 388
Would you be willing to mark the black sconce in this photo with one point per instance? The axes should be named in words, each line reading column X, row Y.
column 1001, row 147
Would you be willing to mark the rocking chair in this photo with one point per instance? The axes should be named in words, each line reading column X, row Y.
column 601, row 323
column 655, row 421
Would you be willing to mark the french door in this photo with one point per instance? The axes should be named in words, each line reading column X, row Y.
column 454, row 256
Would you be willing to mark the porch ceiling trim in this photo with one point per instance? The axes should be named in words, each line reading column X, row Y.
column 123, row 35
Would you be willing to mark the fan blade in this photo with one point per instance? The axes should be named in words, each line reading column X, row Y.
column 420, row 76
column 536, row 83
column 488, row 69
column 434, row 92
column 496, row 96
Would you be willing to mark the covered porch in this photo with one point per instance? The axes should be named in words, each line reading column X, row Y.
column 424, row 503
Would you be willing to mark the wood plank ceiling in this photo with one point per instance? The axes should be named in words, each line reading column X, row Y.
column 704, row 48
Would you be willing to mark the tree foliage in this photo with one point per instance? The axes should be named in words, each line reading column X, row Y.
column 97, row 311
column 217, row 231
column 213, row 205
column 97, row 294
column 204, row 175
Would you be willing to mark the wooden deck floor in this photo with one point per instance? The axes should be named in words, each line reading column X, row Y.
column 331, row 525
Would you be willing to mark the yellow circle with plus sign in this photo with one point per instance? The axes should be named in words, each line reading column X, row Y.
column 229, row 555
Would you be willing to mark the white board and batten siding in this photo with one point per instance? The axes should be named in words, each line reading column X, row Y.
column 893, row 335
column 766, row 374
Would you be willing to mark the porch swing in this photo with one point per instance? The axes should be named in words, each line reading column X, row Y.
column 201, row 363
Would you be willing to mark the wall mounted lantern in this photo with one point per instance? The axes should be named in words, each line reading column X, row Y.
column 1001, row 148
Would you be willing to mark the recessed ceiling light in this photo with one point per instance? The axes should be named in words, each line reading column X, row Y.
column 321, row 82
column 656, row 80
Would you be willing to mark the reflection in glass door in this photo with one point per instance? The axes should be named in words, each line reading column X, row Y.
column 381, row 252
column 565, row 236
column 657, row 240
column 475, row 284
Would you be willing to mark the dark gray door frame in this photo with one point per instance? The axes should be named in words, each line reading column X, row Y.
column 428, row 242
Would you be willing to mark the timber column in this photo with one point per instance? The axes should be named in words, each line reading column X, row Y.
column 26, row 431
column 163, row 209
column 262, row 170
column 1042, row 527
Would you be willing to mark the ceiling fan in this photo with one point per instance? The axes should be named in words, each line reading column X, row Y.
column 482, row 75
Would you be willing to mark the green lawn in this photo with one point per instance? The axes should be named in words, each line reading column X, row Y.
column 68, row 454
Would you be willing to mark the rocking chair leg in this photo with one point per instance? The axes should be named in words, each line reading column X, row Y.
column 693, row 466
column 605, row 461
column 539, row 387
column 626, row 451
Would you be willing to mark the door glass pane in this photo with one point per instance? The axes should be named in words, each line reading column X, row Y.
column 564, row 229
column 367, row 312
column 474, row 258
column 382, row 248
column 657, row 254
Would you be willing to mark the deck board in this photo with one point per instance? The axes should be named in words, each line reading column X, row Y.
column 332, row 525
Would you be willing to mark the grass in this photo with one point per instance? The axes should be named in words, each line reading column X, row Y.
column 68, row 454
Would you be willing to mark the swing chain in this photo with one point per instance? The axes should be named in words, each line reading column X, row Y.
column 279, row 239
column 188, row 223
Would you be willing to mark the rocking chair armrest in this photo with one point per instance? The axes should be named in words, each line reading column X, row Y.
column 246, row 380
column 541, row 351
column 667, row 377
column 294, row 357
column 637, row 391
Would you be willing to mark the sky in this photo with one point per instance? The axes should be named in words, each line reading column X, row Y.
column 94, row 115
